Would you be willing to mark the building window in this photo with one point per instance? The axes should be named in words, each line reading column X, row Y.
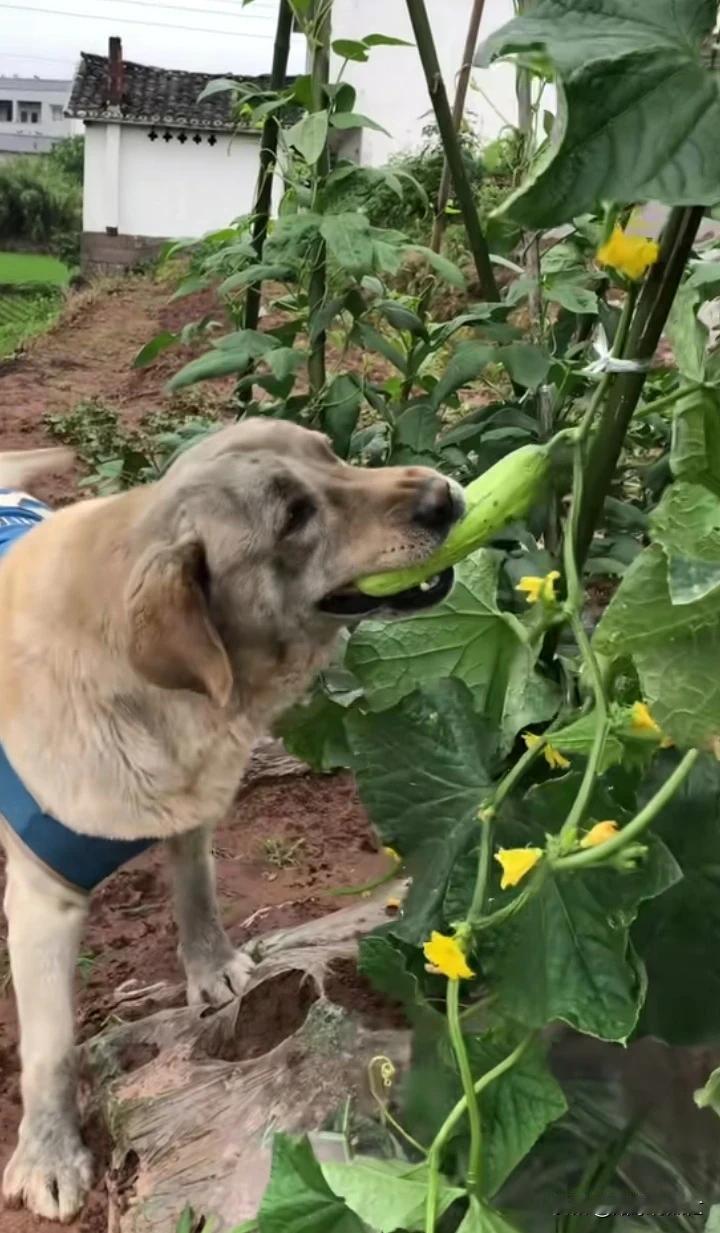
column 56, row 112
column 5, row 110
column 30, row 113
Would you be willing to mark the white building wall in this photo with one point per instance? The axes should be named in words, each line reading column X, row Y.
column 51, row 99
column 391, row 86
column 165, row 189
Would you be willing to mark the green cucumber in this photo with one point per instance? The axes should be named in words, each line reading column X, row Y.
column 504, row 492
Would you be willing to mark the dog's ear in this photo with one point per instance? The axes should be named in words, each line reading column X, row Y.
column 172, row 640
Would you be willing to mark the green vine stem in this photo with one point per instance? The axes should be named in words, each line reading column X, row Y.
column 381, row 1074
column 473, row 1109
column 451, row 1122
column 606, row 851
column 477, row 906
column 648, row 322
column 451, row 145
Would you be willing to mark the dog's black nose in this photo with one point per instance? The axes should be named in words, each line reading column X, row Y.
column 437, row 506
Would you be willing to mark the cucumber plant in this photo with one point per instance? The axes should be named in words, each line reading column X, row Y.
column 550, row 783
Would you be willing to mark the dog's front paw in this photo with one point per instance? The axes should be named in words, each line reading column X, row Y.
column 216, row 984
column 50, row 1172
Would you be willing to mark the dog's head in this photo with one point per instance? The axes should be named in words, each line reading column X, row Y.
column 252, row 540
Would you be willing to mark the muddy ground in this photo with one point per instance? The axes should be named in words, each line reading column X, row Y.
column 287, row 844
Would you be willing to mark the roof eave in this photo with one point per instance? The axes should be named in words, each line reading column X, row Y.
column 90, row 115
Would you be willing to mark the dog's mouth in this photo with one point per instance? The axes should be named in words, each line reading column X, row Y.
column 352, row 604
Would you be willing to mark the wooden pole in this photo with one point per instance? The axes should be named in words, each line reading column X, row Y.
column 451, row 143
column 317, row 289
column 463, row 82
column 268, row 157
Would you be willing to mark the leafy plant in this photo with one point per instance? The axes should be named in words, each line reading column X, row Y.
column 119, row 457
column 26, row 312
column 534, row 773
column 41, row 200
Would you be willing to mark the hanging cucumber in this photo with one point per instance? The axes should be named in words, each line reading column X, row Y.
column 505, row 492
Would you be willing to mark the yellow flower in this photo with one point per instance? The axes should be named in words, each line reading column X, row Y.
column 516, row 863
column 539, row 588
column 555, row 760
column 445, row 957
column 641, row 720
column 630, row 255
column 599, row 833
column 394, row 856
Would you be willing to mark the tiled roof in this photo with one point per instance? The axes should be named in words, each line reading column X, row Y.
column 153, row 95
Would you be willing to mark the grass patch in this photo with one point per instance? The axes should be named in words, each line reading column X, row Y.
column 19, row 269
column 25, row 313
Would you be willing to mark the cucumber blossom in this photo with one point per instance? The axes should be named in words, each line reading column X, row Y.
column 505, row 492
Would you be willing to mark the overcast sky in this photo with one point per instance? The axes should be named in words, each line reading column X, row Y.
column 45, row 37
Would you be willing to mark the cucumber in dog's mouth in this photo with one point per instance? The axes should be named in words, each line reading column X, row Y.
column 349, row 602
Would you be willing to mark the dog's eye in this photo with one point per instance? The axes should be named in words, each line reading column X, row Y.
column 299, row 513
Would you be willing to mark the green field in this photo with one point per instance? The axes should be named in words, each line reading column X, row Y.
column 18, row 269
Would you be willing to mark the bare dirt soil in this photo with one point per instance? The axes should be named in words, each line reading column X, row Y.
column 287, row 844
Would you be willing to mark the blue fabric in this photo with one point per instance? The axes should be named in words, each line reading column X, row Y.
column 82, row 860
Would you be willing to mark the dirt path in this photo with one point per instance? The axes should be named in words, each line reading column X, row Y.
column 89, row 355
column 286, row 844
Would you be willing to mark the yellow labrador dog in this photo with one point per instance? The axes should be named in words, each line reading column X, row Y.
column 147, row 639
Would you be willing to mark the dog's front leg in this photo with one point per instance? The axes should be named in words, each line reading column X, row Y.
column 215, row 971
column 50, row 1170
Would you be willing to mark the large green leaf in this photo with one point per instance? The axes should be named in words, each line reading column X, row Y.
column 641, row 613
column 298, row 1199
column 422, row 772
column 233, row 353
column 678, row 934
column 688, row 336
column 210, row 366
column 577, row 299
column 579, row 33
column 339, row 408
column 527, row 364
column 566, row 954
column 674, row 646
column 353, row 119
column 681, row 684
column 695, row 452
column 466, row 637
column 151, row 350
column 388, row 1194
column 383, row 962
column 314, row 732
column 348, row 239
column 638, row 108
column 465, row 366
column 256, row 274
column 442, row 266
column 309, row 135
column 517, row 1108
column 483, row 1219
column 687, row 525
column 293, row 238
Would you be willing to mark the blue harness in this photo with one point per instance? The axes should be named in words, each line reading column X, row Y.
column 83, row 861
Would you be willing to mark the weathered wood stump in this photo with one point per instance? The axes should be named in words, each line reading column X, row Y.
column 191, row 1099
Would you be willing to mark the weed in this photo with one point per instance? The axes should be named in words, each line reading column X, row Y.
column 119, row 457
column 86, row 963
column 24, row 313
column 5, row 972
column 282, row 853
